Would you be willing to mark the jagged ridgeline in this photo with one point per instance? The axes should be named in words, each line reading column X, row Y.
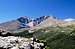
column 25, row 22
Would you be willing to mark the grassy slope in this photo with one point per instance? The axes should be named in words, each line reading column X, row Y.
column 58, row 37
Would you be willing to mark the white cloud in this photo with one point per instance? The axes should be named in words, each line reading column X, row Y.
column 69, row 19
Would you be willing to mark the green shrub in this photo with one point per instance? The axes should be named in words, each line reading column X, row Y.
column 24, row 33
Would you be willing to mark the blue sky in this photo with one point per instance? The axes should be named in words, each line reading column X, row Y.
column 12, row 9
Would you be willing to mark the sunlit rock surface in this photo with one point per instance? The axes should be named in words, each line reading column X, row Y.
column 12, row 42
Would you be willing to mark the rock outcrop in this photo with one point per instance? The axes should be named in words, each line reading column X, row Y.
column 12, row 42
column 9, row 41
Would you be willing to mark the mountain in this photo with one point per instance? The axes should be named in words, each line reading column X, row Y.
column 41, row 22
column 58, row 34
